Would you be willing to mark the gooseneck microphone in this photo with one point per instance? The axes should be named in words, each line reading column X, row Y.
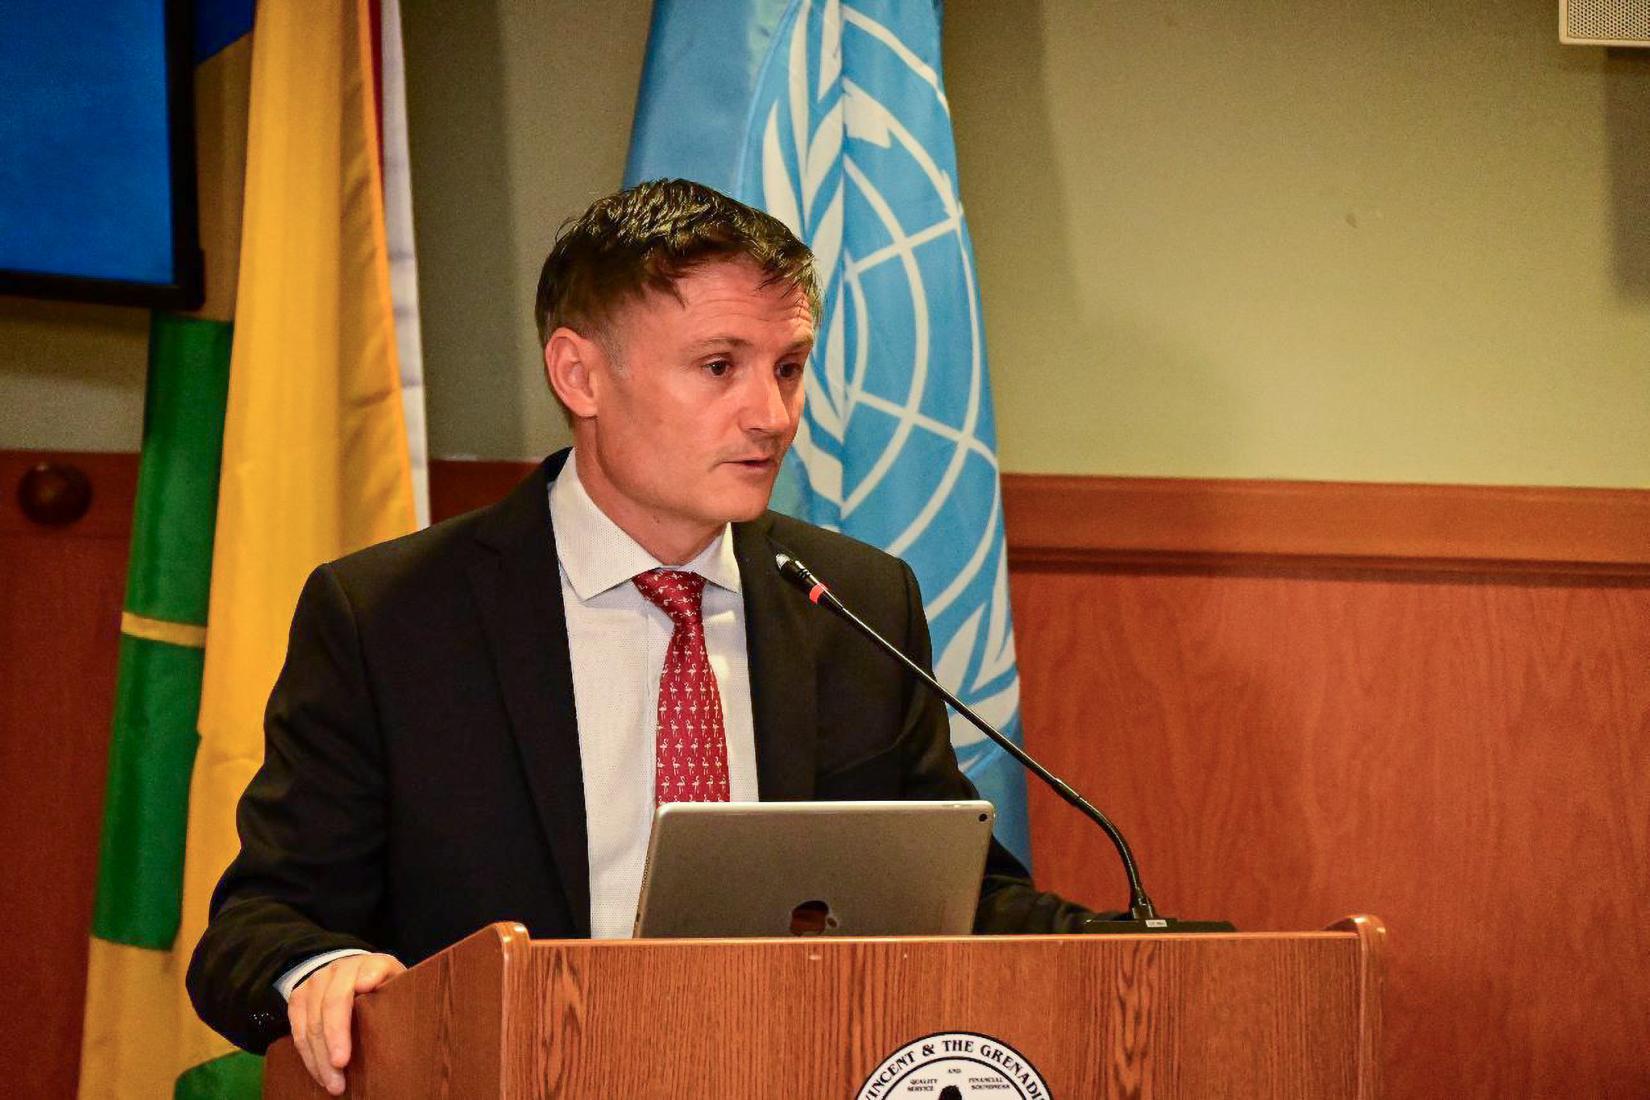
column 1142, row 914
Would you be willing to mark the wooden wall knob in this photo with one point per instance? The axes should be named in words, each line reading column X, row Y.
column 55, row 494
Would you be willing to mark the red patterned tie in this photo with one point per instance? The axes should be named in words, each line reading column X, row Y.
column 691, row 762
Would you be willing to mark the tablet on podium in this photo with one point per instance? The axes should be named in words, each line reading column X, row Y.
column 814, row 868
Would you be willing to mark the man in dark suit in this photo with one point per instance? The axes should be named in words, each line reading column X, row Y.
column 473, row 723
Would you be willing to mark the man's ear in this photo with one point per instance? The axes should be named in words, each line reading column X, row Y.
column 571, row 363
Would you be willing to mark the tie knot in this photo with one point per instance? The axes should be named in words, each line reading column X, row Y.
column 673, row 591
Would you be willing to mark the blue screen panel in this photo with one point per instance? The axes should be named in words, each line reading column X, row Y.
column 86, row 174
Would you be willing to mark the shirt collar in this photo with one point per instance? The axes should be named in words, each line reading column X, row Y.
column 597, row 554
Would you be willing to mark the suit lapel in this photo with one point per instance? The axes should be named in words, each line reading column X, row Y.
column 781, row 654
column 518, row 590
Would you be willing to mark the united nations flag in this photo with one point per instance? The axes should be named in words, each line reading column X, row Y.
column 833, row 117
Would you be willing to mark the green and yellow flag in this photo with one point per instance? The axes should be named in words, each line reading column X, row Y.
column 304, row 395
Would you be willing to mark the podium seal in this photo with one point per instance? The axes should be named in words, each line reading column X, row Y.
column 954, row 1065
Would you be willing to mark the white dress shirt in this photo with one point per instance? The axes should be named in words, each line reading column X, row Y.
column 617, row 640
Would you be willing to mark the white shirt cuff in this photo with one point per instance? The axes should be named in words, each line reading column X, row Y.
column 287, row 982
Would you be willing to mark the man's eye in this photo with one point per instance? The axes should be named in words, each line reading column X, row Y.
column 789, row 372
column 718, row 368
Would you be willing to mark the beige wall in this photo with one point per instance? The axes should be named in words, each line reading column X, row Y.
column 1401, row 241
column 1398, row 241
column 71, row 376
column 520, row 116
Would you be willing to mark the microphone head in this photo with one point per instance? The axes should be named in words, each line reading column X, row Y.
column 798, row 575
column 789, row 568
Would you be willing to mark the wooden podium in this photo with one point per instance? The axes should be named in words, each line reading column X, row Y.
column 1247, row 1015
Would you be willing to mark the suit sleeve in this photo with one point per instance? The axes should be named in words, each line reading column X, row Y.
column 1009, row 903
column 309, row 876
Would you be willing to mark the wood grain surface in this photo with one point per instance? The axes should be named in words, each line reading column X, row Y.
column 60, row 597
column 1372, row 963
column 1092, row 521
column 1098, row 1017
column 1241, row 1016
column 436, row 1032
column 1469, row 759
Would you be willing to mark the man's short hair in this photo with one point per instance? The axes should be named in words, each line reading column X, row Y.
column 645, row 238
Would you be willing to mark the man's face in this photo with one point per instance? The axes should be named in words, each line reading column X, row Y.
column 685, row 431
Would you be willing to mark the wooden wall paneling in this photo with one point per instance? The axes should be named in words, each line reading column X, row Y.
column 457, row 487
column 1091, row 521
column 61, row 591
column 1455, row 735
column 1469, row 759
column 1449, row 528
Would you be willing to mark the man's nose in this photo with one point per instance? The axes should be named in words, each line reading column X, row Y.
column 766, row 409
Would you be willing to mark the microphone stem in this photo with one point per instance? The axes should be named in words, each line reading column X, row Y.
column 1140, row 906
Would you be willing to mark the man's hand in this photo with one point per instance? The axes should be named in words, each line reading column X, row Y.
column 319, row 1011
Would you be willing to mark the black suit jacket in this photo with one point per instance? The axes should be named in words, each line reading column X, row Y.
column 421, row 775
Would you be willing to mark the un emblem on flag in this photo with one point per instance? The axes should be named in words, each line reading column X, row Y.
column 849, row 143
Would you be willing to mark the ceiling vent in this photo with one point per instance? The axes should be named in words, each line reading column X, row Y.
column 1604, row 22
